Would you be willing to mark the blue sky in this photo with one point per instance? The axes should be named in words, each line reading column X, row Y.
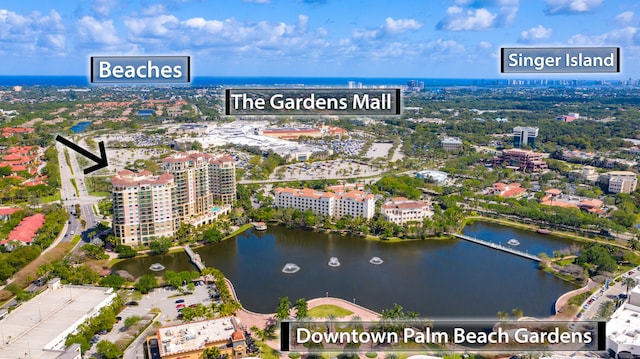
column 323, row 38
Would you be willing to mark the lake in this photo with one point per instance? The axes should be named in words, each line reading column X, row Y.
column 437, row 278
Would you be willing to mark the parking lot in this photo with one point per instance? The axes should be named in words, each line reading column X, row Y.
column 162, row 299
column 335, row 169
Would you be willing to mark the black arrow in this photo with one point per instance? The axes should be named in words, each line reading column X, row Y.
column 101, row 161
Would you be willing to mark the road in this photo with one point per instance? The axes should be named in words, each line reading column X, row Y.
column 614, row 290
column 70, row 198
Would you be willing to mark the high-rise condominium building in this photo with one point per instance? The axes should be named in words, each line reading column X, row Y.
column 142, row 207
column 202, row 181
column 194, row 188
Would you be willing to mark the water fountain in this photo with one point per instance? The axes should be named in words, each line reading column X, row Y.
column 334, row 262
column 376, row 260
column 290, row 268
column 156, row 267
column 513, row 242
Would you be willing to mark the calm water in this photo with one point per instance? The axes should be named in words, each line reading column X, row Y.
column 80, row 126
column 449, row 278
column 530, row 242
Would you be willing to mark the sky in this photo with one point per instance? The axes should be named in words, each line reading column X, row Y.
column 314, row 38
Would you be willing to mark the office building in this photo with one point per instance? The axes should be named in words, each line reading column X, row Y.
column 620, row 181
column 524, row 136
column 523, row 160
column 451, row 144
column 142, row 206
column 400, row 210
column 352, row 203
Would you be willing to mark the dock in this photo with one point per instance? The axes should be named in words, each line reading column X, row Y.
column 498, row 247
column 195, row 258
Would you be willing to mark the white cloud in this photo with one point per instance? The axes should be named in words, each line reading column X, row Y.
column 95, row 32
column 571, row 6
column 32, row 31
column 152, row 26
column 391, row 27
column 258, row 1
column 485, row 44
column 102, row 8
column 618, row 37
column 625, row 17
column 457, row 19
column 535, row 34
column 479, row 15
column 401, row 25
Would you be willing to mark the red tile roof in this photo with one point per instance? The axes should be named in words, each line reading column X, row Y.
column 26, row 231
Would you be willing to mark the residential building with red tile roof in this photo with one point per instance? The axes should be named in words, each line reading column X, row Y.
column 26, row 230
column 400, row 210
column 352, row 203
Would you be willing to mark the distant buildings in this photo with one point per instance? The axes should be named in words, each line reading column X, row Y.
column 524, row 160
column 352, row 203
column 508, row 190
column 451, row 144
column 195, row 188
column 400, row 210
column 620, row 181
column 523, row 136
column 554, row 197
column 295, row 133
column 189, row 340
column 568, row 118
column 623, row 335
column 10, row 131
column 587, row 174
column 438, row 177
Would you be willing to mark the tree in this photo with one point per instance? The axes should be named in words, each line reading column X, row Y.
column 605, row 310
column 211, row 353
column 302, row 309
column 517, row 313
column 131, row 321
column 108, row 350
column 629, row 282
column 212, row 235
column 503, row 315
column 112, row 280
column 282, row 312
column 160, row 246
column 146, row 283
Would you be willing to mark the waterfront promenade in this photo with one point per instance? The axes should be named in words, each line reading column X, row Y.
column 497, row 247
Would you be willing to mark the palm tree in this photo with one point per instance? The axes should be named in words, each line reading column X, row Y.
column 629, row 282
column 517, row 313
column 503, row 315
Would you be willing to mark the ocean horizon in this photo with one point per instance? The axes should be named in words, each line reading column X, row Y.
column 83, row 81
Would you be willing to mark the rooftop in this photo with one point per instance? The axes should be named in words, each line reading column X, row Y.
column 188, row 337
column 42, row 319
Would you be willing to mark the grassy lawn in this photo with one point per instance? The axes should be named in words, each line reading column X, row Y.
column 100, row 193
column 324, row 310
column 68, row 160
column 53, row 198
column 75, row 186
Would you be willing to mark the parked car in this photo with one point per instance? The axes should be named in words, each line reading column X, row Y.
column 180, row 306
column 179, row 301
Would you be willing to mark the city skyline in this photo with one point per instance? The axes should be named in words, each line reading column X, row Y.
column 322, row 38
